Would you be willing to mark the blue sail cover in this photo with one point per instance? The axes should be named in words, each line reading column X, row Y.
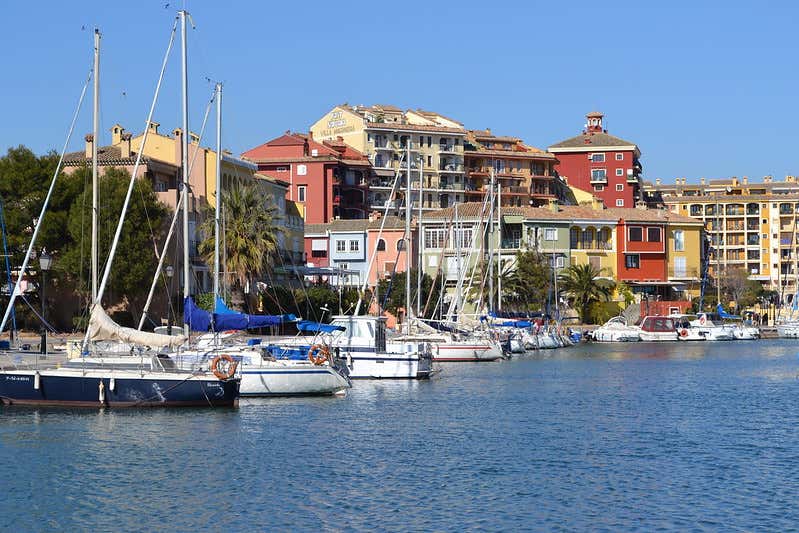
column 723, row 314
column 197, row 319
column 308, row 326
column 225, row 318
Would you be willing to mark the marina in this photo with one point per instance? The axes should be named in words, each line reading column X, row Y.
column 598, row 436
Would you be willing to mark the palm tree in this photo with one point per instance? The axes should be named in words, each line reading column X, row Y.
column 583, row 284
column 251, row 235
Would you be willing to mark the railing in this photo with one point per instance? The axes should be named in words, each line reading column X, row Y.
column 682, row 273
column 512, row 244
column 452, row 186
column 446, row 148
column 451, row 167
column 786, row 209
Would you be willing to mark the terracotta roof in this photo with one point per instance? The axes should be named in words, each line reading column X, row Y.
column 363, row 224
column 411, row 127
column 567, row 213
column 730, row 198
column 594, row 114
column 326, row 151
column 509, row 154
column 106, row 155
column 591, row 139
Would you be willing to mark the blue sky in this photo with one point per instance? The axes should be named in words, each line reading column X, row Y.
column 704, row 88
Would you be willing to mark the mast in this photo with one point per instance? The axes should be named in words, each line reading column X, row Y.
column 499, row 250
column 408, row 239
column 419, row 240
column 95, row 139
column 218, row 187
column 458, row 244
column 719, row 235
column 185, row 165
column 490, row 244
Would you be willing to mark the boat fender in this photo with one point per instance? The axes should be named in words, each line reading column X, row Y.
column 101, row 396
column 112, row 384
column 683, row 332
column 219, row 370
column 37, row 380
column 318, row 354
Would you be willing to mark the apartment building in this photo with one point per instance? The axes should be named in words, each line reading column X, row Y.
column 328, row 178
column 751, row 225
column 605, row 165
column 393, row 140
column 524, row 174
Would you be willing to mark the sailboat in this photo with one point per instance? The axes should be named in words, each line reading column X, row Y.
column 149, row 380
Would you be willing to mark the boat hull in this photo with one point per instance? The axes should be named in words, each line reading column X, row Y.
column 310, row 380
column 59, row 387
column 463, row 353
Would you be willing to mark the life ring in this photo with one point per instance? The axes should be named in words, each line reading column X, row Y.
column 230, row 364
column 323, row 354
column 683, row 332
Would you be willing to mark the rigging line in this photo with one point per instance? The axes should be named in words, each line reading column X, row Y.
column 44, row 322
column 44, row 205
column 8, row 263
column 114, row 243
column 84, row 304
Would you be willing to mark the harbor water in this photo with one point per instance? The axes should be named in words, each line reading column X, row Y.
column 671, row 436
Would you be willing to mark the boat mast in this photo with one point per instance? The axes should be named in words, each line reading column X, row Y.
column 185, row 165
column 419, row 240
column 408, row 239
column 499, row 250
column 218, row 187
column 490, row 243
column 95, row 187
column 719, row 234
column 458, row 244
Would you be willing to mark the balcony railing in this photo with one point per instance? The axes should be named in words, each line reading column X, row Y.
column 447, row 148
column 513, row 243
column 452, row 186
column 450, row 167
column 683, row 273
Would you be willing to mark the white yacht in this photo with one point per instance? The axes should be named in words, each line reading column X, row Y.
column 657, row 328
column 616, row 330
column 449, row 347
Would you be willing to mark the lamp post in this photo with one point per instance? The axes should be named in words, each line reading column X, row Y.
column 45, row 262
column 169, row 273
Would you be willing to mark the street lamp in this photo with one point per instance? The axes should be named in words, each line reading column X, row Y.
column 45, row 262
column 169, row 271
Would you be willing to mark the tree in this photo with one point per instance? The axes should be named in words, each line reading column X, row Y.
column 530, row 283
column 251, row 233
column 735, row 283
column 391, row 292
column 135, row 261
column 583, row 285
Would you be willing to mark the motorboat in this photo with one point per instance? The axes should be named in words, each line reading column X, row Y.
column 657, row 329
column 616, row 330
column 450, row 347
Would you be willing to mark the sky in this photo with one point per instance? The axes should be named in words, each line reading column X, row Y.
column 705, row 89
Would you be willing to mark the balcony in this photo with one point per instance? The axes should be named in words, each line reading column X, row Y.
column 452, row 186
column 632, row 176
column 753, row 209
column 786, row 209
column 683, row 273
column 448, row 148
column 451, row 167
column 599, row 178
column 514, row 243
column 516, row 190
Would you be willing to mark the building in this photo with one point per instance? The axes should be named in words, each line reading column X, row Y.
column 329, row 176
column 526, row 175
column 600, row 163
column 751, row 225
column 343, row 250
column 656, row 252
column 290, row 240
column 389, row 136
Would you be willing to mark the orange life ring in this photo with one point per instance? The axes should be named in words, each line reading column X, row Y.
column 683, row 332
column 322, row 350
column 229, row 363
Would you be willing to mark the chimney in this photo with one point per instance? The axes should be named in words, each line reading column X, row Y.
column 194, row 138
column 153, row 127
column 677, row 181
column 735, row 181
column 310, row 135
column 305, row 148
column 89, row 145
column 553, row 206
column 701, row 181
column 657, row 181
column 116, row 134
column 124, row 147
column 788, row 179
column 746, row 180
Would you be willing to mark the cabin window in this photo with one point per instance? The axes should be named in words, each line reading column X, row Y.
column 632, row 261
column 653, row 234
column 635, row 234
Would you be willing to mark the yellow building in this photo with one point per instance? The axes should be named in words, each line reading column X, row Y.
column 387, row 134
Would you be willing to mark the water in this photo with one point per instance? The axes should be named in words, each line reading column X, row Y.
column 606, row 437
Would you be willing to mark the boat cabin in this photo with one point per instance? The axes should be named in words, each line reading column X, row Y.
column 658, row 324
column 361, row 330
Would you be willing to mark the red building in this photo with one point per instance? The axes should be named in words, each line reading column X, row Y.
column 604, row 165
column 641, row 257
column 330, row 178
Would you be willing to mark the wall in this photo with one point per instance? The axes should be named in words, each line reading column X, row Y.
column 577, row 168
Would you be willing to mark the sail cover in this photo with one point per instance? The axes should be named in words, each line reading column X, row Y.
column 723, row 314
column 102, row 328
column 226, row 318
column 307, row 326
column 197, row 319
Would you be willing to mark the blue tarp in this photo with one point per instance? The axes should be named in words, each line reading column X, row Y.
column 724, row 314
column 516, row 324
column 197, row 319
column 307, row 326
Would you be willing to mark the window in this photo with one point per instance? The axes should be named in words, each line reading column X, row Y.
column 632, row 261
column 597, row 158
column 282, row 169
column 318, row 253
column 619, row 202
column 302, row 170
column 301, row 193
column 550, row 234
column 599, row 174
column 355, row 246
column 679, row 240
column 620, row 172
column 559, row 261
column 381, row 245
column 400, row 245
column 635, row 234
column 463, row 238
column 429, row 159
column 653, row 234
column 619, row 186
column 679, row 267
column 599, row 188
column 604, row 239
column 341, row 246
column 429, row 141
column 588, row 238
column 574, row 238
column 619, row 157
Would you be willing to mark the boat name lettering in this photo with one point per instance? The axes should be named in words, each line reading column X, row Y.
column 18, row 378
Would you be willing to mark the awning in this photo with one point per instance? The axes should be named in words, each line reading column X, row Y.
column 513, row 219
